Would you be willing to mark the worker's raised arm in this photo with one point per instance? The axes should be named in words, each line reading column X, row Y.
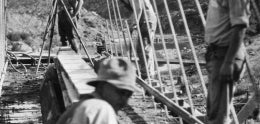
column 78, row 8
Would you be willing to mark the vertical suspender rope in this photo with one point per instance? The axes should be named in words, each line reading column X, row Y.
column 51, row 34
column 46, row 32
column 192, row 48
column 200, row 12
column 167, row 58
column 74, row 27
column 122, row 27
column 152, row 45
column 110, row 44
column 166, row 53
column 134, row 52
column 106, row 39
column 133, row 49
column 142, row 46
column 112, row 27
column 154, row 54
column 117, row 27
column 141, row 42
column 179, row 56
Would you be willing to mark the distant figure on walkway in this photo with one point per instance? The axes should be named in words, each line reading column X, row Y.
column 227, row 21
column 64, row 25
column 114, row 86
column 142, row 7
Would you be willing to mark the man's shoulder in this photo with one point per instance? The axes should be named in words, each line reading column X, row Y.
column 96, row 103
column 97, row 106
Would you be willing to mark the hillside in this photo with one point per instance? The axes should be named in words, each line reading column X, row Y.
column 26, row 21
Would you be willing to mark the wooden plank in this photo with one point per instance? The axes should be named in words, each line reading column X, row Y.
column 80, row 81
column 69, row 61
column 80, row 71
column 187, row 117
column 82, row 76
column 247, row 110
column 65, row 48
column 68, row 57
column 76, row 66
column 81, row 84
column 67, row 53
column 175, row 61
column 170, row 36
column 69, row 96
column 76, row 73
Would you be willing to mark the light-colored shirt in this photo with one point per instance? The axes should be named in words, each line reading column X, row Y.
column 140, row 7
column 90, row 111
column 222, row 16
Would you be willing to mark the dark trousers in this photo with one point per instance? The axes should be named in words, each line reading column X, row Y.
column 220, row 92
column 66, row 30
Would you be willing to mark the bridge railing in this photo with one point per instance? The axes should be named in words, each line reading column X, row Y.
column 120, row 42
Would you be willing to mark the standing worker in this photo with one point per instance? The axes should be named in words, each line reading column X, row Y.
column 143, row 7
column 64, row 25
column 114, row 85
column 226, row 23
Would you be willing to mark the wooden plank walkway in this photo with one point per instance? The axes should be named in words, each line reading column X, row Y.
column 73, row 73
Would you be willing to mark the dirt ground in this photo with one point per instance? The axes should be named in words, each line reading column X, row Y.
column 19, row 103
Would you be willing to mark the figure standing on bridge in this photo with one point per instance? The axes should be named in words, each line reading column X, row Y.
column 114, row 86
column 225, row 57
column 143, row 7
column 64, row 25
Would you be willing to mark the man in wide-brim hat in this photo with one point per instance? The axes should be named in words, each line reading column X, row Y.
column 114, row 85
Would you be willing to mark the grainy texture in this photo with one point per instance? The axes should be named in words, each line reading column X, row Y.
column 2, row 36
column 20, row 98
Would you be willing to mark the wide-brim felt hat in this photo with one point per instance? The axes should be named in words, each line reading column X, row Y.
column 116, row 71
